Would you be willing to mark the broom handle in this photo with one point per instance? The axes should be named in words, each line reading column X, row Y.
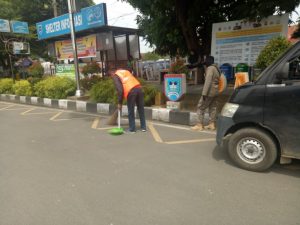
column 119, row 118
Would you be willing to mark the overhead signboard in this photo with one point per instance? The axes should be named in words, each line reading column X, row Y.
column 86, row 48
column 90, row 17
column 241, row 41
column 19, row 27
column 4, row 26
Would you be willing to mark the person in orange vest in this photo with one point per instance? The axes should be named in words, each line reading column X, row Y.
column 129, row 88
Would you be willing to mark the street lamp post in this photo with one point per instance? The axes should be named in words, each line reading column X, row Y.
column 71, row 6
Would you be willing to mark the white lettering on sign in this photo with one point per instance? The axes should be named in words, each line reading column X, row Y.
column 65, row 24
column 53, row 27
column 78, row 20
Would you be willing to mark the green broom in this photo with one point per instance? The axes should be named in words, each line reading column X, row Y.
column 117, row 130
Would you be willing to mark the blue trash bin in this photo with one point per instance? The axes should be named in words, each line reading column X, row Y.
column 227, row 69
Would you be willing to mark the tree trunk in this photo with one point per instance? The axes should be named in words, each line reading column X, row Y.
column 189, row 33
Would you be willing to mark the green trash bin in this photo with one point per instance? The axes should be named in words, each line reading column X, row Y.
column 241, row 74
column 242, row 67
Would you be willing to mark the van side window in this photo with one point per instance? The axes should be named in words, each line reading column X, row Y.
column 294, row 69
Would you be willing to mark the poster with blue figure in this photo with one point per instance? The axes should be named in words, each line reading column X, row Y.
column 175, row 86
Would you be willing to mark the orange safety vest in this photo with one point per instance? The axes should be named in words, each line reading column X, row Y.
column 128, row 81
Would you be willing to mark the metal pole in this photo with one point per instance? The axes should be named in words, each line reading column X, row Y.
column 71, row 3
column 54, row 3
column 11, row 68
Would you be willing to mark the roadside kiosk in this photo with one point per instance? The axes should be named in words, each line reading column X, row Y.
column 110, row 46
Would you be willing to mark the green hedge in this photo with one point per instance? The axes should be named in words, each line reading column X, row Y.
column 55, row 88
column 88, row 82
column 36, row 70
column 6, row 86
column 22, row 88
column 105, row 92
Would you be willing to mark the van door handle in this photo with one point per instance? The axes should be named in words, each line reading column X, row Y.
column 275, row 85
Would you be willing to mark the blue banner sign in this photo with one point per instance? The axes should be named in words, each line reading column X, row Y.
column 4, row 26
column 19, row 27
column 175, row 86
column 90, row 17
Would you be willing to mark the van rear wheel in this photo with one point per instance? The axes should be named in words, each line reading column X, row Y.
column 252, row 149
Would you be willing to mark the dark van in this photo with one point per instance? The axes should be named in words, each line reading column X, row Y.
column 261, row 121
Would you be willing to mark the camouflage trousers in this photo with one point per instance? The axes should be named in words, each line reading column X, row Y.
column 210, row 104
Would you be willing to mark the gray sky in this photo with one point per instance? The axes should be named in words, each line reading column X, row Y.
column 122, row 14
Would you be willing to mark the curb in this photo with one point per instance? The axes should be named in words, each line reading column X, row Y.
column 158, row 114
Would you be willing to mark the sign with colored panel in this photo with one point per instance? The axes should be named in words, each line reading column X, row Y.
column 86, row 48
column 241, row 41
column 67, row 70
column 175, row 86
column 4, row 26
column 90, row 17
column 19, row 27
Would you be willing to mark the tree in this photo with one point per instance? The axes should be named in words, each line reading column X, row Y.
column 274, row 48
column 184, row 27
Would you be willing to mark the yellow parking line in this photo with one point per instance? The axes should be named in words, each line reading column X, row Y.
column 55, row 116
column 95, row 123
column 154, row 133
column 190, row 141
column 23, row 113
column 37, row 113
column 105, row 128
column 7, row 107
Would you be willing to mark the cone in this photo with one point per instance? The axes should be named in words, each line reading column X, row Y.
column 113, row 119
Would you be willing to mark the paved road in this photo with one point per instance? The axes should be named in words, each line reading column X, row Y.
column 62, row 168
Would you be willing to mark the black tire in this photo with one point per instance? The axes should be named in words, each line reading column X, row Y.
column 252, row 149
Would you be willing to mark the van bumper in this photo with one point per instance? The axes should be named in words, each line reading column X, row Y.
column 223, row 125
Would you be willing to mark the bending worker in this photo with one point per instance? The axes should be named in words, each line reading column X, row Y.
column 129, row 87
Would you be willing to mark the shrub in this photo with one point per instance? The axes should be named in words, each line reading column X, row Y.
column 149, row 94
column 104, row 92
column 87, row 82
column 178, row 67
column 33, row 80
column 55, row 87
column 274, row 48
column 91, row 68
column 36, row 70
column 6, row 85
column 22, row 87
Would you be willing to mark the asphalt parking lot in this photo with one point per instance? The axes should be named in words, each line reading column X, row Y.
column 62, row 167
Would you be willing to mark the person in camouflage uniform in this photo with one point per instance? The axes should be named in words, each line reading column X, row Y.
column 208, row 99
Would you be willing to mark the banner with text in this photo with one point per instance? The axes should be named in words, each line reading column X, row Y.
column 86, row 48
column 68, row 70
column 90, row 17
column 241, row 41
